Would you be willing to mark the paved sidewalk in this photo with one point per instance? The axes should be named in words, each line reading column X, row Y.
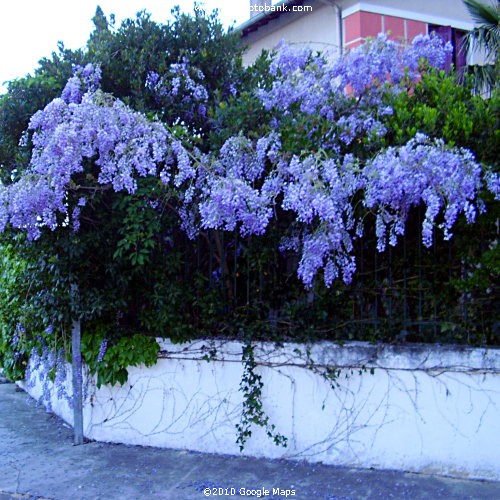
column 38, row 460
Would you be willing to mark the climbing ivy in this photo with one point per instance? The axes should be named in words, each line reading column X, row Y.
column 253, row 411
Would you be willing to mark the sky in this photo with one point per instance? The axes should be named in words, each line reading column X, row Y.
column 31, row 29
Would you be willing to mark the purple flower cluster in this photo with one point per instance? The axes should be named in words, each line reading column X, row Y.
column 385, row 61
column 421, row 171
column 319, row 192
column 493, row 183
column 65, row 133
column 102, row 350
column 85, row 79
column 361, row 77
column 289, row 59
column 230, row 187
column 299, row 79
column 429, row 48
column 181, row 82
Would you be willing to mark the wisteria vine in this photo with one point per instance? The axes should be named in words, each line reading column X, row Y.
column 85, row 124
column 242, row 185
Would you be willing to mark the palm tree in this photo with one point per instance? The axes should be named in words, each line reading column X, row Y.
column 484, row 40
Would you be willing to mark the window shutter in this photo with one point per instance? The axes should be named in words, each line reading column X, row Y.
column 446, row 34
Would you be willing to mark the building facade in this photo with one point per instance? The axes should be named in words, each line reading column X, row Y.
column 339, row 25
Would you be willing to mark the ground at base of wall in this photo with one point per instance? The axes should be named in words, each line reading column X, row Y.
column 38, row 460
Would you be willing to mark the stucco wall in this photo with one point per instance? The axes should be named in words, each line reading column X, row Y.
column 426, row 408
column 316, row 29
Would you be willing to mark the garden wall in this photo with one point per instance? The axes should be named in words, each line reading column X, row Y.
column 426, row 408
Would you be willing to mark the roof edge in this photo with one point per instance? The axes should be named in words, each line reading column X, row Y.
column 254, row 23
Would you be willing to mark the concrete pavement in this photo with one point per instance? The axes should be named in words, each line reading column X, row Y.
column 38, row 461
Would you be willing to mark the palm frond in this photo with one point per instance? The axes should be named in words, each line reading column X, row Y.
column 483, row 13
column 485, row 78
column 483, row 39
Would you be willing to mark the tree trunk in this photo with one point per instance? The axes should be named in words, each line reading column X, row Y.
column 77, row 383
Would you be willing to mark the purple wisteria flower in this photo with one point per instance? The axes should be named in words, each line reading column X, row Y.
column 85, row 79
column 493, row 182
column 73, row 92
column 228, row 186
column 425, row 172
column 181, row 83
column 124, row 144
column 317, row 87
column 319, row 192
column 91, row 76
column 102, row 350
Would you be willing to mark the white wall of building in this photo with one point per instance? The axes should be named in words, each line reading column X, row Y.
column 317, row 29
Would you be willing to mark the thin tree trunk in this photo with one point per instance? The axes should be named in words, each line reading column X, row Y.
column 77, row 382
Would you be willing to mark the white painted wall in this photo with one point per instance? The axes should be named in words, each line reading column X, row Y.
column 317, row 30
column 428, row 408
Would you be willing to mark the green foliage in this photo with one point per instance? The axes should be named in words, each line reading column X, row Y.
column 440, row 108
column 25, row 96
column 13, row 357
column 243, row 113
column 120, row 354
column 253, row 412
column 127, row 54
column 140, row 226
column 139, row 46
column 483, row 273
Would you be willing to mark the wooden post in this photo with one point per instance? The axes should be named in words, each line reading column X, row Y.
column 76, row 355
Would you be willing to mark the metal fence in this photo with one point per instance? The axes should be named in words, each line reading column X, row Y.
column 445, row 293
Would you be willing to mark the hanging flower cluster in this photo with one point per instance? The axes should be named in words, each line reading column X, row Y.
column 317, row 85
column 325, row 191
column 224, row 191
column 421, row 171
column 181, row 84
column 68, row 132
column 349, row 92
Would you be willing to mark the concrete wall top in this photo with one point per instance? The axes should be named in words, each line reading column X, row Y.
column 426, row 357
